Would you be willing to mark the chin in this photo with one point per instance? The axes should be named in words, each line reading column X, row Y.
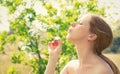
column 68, row 37
column 72, row 38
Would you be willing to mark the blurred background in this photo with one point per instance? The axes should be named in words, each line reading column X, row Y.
column 26, row 26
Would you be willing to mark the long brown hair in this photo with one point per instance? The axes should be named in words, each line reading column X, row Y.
column 104, row 38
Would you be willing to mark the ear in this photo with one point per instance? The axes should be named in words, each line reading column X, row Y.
column 92, row 37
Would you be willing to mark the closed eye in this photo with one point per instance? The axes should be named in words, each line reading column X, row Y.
column 81, row 23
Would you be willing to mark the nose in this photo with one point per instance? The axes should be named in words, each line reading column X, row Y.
column 73, row 24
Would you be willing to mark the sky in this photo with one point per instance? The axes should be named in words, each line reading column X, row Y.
column 114, row 8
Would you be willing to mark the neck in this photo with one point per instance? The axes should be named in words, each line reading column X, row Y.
column 85, row 53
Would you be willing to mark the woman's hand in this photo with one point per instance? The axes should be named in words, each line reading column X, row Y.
column 55, row 47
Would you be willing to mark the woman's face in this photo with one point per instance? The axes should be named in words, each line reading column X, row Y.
column 79, row 30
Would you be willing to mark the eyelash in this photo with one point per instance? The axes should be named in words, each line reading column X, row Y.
column 81, row 23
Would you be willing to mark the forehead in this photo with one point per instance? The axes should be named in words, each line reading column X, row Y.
column 85, row 18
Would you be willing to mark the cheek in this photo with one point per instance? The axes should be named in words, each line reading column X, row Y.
column 84, row 31
column 80, row 33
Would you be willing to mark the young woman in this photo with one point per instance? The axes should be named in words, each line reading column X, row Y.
column 91, row 35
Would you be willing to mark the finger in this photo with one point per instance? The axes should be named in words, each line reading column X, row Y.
column 53, row 45
column 57, row 41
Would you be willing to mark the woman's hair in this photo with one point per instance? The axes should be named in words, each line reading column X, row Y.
column 104, row 38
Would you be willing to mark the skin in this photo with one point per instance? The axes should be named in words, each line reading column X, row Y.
column 88, row 61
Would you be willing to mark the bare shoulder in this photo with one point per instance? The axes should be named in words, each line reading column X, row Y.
column 73, row 63
column 104, row 68
column 69, row 66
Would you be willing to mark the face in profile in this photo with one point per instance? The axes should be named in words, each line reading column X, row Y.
column 79, row 30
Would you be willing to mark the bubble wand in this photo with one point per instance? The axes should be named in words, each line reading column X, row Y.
column 58, row 30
